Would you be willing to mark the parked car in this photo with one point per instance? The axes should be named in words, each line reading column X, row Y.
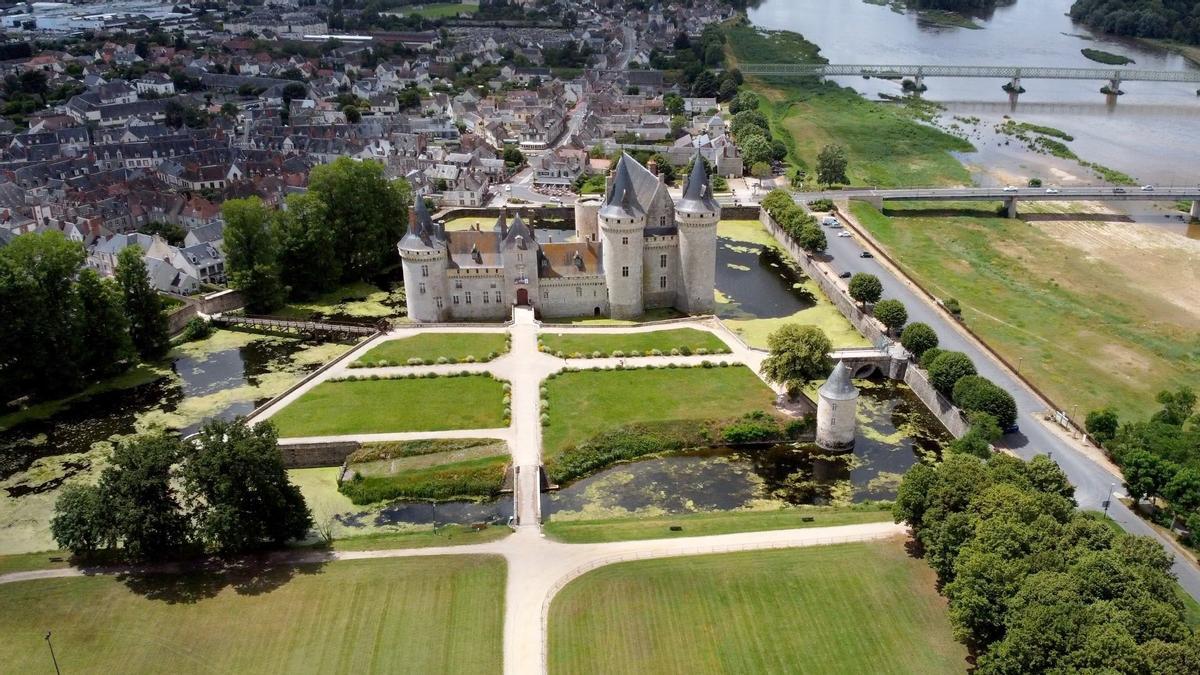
column 830, row 221
column 1010, row 188
column 843, row 234
column 1118, row 191
column 866, row 254
column 508, row 188
column 1147, row 188
column 1051, row 191
column 844, row 275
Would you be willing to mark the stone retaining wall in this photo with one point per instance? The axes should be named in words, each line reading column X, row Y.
column 316, row 455
column 951, row 417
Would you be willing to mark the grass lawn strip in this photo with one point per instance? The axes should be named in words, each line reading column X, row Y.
column 384, row 459
column 429, row 347
column 664, row 341
column 480, row 478
column 421, row 615
column 585, row 403
column 851, row 608
column 705, row 524
column 382, row 406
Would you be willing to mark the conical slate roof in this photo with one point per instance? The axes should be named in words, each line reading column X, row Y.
column 519, row 231
column 697, row 190
column 621, row 200
column 839, row 387
column 421, row 232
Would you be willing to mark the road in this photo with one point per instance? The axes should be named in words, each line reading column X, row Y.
column 1093, row 482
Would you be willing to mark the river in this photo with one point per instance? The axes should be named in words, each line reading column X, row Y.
column 1148, row 133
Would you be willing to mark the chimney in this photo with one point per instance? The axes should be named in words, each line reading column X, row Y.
column 412, row 214
column 652, row 167
column 441, row 228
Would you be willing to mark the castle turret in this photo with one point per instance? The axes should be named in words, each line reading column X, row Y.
column 622, row 230
column 837, row 410
column 587, row 220
column 423, row 256
column 696, row 218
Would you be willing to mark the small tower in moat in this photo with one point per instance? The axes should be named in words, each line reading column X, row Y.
column 837, row 410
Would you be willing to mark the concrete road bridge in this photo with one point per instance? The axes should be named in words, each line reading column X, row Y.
column 1014, row 74
column 1010, row 196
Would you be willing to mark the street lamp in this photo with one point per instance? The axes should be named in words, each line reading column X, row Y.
column 1111, row 487
column 52, row 658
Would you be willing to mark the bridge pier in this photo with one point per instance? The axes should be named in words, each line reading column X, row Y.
column 1014, row 86
column 1195, row 212
column 1010, row 207
column 1113, row 88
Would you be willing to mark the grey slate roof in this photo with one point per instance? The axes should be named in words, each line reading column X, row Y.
column 839, row 387
column 697, row 190
column 422, row 232
column 632, row 189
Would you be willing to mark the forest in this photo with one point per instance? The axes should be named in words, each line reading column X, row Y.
column 1170, row 19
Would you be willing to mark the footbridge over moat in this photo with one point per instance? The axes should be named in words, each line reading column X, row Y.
column 1010, row 196
column 1014, row 74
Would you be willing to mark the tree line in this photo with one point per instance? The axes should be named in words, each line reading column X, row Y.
column 344, row 228
column 224, row 491
column 795, row 221
column 1034, row 584
column 63, row 326
column 1170, row 19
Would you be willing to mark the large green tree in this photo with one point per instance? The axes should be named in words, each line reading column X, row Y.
column 865, row 288
column 238, row 488
column 946, row 370
column 308, row 262
column 143, row 307
column 143, row 510
column 892, row 314
column 798, row 354
column 1145, row 474
column 103, row 327
column 252, row 253
column 367, row 213
column 831, row 165
column 918, row 338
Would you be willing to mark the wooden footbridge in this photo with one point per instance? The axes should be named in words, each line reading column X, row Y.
column 321, row 330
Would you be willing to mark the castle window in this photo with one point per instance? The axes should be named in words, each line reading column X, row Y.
column 662, row 261
column 468, row 294
column 458, row 284
column 498, row 297
column 424, row 270
column 438, row 301
column 662, row 282
column 455, row 299
column 485, row 297
column 545, row 295
column 624, row 271
column 625, row 241
column 421, row 287
column 662, row 221
column 579, row 291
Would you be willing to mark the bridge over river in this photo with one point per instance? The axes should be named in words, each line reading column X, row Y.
column 1011, row 196
column 1014, row 74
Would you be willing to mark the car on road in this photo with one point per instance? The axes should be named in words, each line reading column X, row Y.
column 843, row 234
column 1010, row 188
column 844, row 275
column 1051, row 191
column 1118, row 191
column 830, row 221
column 508, row 188
column 1147, row 188
column 866, row 254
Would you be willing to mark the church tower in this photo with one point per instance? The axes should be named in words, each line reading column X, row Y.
column 622, row 233
column 696, row 218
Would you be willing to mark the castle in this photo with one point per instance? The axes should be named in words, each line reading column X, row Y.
column 636, row 250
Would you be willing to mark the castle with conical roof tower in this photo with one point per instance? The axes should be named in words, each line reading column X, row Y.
column 637, row 250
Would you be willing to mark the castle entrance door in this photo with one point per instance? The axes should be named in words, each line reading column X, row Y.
column 523, row 297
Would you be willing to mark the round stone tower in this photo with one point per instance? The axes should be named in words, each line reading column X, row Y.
column 587, row 219
column 622, row 224
column 837, row 410
column 423, row 258
column 696, row 218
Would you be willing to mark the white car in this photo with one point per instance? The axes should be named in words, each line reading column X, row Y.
column 1010, row 188
column 1147, row 188
column 508, row 188
column 843, row 234
column 1051, row 191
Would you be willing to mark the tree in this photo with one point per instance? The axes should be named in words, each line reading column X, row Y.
column 918, row 338
column 892, row 314
column 812, row 238
column 1102, row 424
column 705, row 85
column 513, row 157
column 798, row 354
column 673, row 103
column 144, row 309
column 103, row 328
column 81, row 522
column 1177, row 406
column 726, row 90
column 238, row 488
column 308, row 262
column 353, row 116
column 1145, row 474
column 252, row 255
column 135, row 490
column 831, row 165
column 755, row 149
column 974, row 393
column 1182, row 492
column 865, row 288
column 983, row 432
column 745, row 100
column 947, row 369
column 366, row 212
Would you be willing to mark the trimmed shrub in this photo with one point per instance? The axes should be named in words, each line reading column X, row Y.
column 442, row 360
column 929, row 355
column 635, row 353
column 974, row 393
column 685, row 350
column 754, row 427
column 918, row 338
column 947, row 369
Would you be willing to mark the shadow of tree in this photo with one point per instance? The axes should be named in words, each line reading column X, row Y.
column 188, row 584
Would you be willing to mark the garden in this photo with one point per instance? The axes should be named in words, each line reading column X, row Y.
column 685, row 341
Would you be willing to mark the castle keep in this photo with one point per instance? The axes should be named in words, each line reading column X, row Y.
column 636, row 250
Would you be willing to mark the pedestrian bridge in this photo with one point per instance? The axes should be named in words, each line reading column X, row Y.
column 1014, row 74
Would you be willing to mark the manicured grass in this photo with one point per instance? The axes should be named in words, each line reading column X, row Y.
column 444, row 535
column 703, row 524
column 439, row 10
column 429, row 347
column 358, row 301
column 391, row 457
column 585, row 403
column 480, row 478
column 1091, row 330
column 662, row 340
column 852, row 608
column 421, row 615
column 382, row 406
column 21, row 562
column 650, row 315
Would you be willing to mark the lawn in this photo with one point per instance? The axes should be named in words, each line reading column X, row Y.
column 585, row 403
column 759, row 289
column 422, row 615
column 886, row 144
column 383, row 406
column 429, row 347
column 1090, row 324
column 358, row 301
column 704, row 524
column 851, row 608
column 662, row 340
